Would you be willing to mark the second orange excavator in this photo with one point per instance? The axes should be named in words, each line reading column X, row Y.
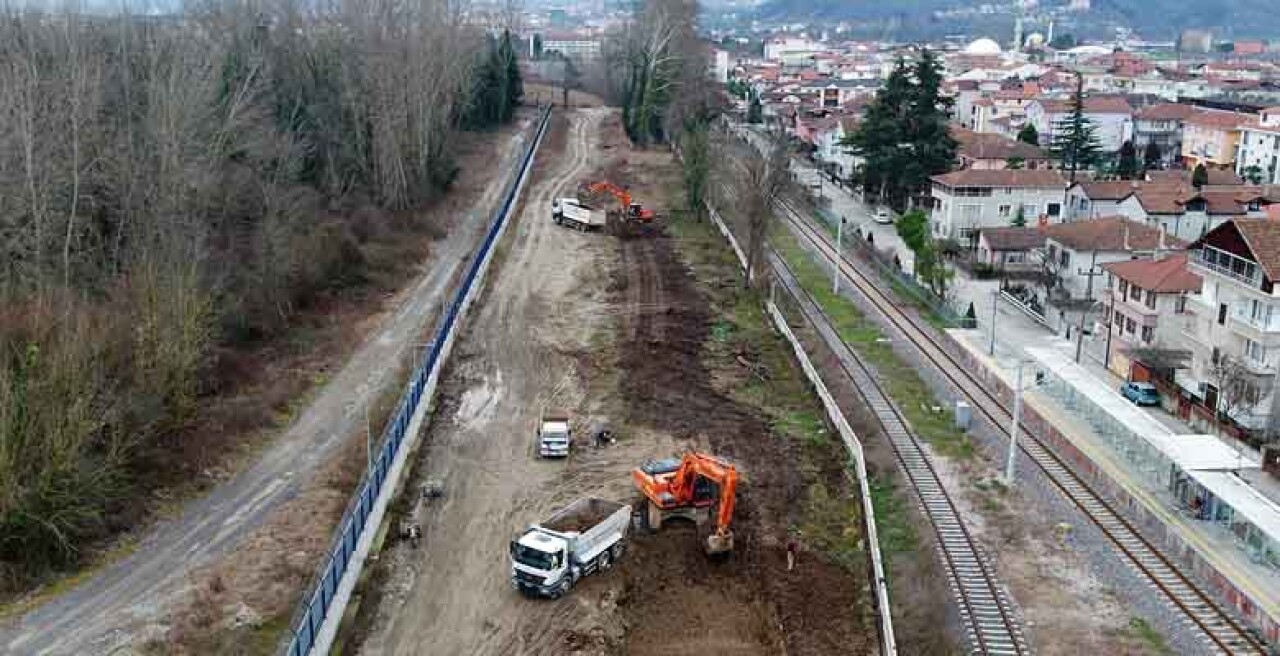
column 696, row 487
column 632, row 211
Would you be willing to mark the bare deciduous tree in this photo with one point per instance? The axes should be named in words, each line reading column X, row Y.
column 1239, row 389
column 758, row 192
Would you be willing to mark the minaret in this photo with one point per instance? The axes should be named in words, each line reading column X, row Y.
column 1048, row 38
column 1017, row 30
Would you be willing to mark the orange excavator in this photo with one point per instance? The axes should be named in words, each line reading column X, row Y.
column 692, row 487
column 631, row 211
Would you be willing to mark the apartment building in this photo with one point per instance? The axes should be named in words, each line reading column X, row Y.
column 1233, row 329
column 1145, row 300
column 1259, row 157
column 1161, row 124
column 968, row 200
column 1081, row 248
column 1111, row 116
column 1210, row 137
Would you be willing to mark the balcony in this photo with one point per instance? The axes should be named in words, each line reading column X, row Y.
column 1267, row 321
column 1231, row 266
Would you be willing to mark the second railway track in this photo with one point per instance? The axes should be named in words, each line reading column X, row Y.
column 1221, row 632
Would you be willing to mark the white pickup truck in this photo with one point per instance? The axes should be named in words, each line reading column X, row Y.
column 587, row 536
column 554, row 434
column 571, row 212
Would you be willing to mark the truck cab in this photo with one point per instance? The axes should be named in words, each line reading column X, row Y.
column 540, row 563
column 554, row 436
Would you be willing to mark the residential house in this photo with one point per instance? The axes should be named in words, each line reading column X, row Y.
column 977, row 150
column 1211, row 137
column 1234, row 327
column 1161, row 124
column 834, row 156
column 1010, row 248
column 1111, row 116
column 1144, row 299
column 1094, row 199
column 968, row 200
column 1259, row 156
column 1079, row 248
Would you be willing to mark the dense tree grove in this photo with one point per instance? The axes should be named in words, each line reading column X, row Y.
column 171, row 184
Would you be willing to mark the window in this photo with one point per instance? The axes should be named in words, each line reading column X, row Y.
column 1148, row 333
column 1004, row 211
column 1222, row 313
column 1151, row 299
column 1181, row 305
column 1129, row 325
column 1124, row 288
column 1254, row 351
column 1065, row 260
column 1030, row 210
column 1055, row 209
column 1135, row 293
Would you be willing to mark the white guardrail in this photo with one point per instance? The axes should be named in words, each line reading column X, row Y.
column 888, row 644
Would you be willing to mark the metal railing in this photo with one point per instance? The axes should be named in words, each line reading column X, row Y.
column 326, row 597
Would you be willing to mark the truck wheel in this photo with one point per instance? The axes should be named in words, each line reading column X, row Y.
column 605, row 559
column 559, row 590
column 617, row 551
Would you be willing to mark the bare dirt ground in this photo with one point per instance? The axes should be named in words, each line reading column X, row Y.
column 616, row 329
column 243, row 552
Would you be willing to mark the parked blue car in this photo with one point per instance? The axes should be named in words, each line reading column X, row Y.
column 1141, row 393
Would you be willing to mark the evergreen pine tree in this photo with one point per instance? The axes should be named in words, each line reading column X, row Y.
column 1127, row 164
column 1199, row 176
column 928, row 130
column 1151, row 156
column 755, row 112
column 513, row 85
column 1029, row 134
column 1075, row 140
column 882, row 131
column 1019, row 219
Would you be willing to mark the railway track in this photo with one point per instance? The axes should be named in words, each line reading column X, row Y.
column 988, row 616
column 1219, row 630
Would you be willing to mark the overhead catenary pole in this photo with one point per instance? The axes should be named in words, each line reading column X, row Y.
column 1013, row 428
column 995, row 305
column 835, row 259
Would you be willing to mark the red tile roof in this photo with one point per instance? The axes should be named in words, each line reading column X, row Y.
column 1002, row 178
column 1217, row 119
column 986, row 145
column 1108, row 189
column 1012, row 239
column 1092, row 105
column 1165, row 112
column 1109, row 234
column 1166, row 275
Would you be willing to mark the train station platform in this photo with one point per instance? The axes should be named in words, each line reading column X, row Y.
column 1196, row 493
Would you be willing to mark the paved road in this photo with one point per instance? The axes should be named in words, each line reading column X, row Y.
column 110, row 609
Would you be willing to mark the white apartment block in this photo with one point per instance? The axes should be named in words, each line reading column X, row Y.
column 1260, row 148
column 1112, row 118
column 1236, row 315
column 968, row 200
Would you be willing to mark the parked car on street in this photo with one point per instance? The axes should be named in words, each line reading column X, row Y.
column 1140, row 393
column 883, row 216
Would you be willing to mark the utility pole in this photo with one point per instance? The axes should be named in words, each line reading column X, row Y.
column 835, row 259
column 995, row 305
column 1111, row 313
column 1013, row 428
column 1088, row 295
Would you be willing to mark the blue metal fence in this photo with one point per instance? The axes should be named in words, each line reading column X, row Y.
column 315, row 605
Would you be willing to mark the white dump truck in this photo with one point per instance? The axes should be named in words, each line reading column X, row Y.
column 554, row 434
column 573, row 213
column 587, row 536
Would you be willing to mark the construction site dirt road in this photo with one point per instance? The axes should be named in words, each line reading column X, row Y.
column 612, row 328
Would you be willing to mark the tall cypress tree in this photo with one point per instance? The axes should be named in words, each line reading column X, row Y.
column 1127, row 165
column 1075, row 140
column 933, row 149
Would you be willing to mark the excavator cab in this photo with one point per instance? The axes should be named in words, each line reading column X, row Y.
column 631, row 211
column 699, row 487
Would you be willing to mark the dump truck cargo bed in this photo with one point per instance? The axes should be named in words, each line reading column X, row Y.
column 582, row 515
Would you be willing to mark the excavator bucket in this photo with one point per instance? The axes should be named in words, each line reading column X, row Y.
column 719, row 544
